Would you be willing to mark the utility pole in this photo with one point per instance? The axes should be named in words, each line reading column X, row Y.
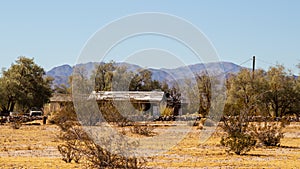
column 253, row 67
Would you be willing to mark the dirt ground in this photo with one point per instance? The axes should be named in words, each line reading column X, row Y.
column 36, row 147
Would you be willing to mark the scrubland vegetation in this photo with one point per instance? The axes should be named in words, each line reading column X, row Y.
column 259, row 127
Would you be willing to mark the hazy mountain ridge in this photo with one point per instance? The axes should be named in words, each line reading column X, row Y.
column 61, row 73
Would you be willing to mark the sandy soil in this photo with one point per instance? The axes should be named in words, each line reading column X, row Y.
column 36, row 147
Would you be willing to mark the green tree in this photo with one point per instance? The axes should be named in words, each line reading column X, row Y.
column 121, row 79
column 295, row 108
column 164, row 86
column 62, row 89
column 109, row 76
column 24, row 84
column 282, row 90
column 244, row 93
column 104, row 76
column 141, row 81
column 3, row 96
column 204, row 89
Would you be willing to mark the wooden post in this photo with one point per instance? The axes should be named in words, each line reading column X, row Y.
column 253, row 67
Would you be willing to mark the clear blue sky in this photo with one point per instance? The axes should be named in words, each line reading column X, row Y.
column 54, row 32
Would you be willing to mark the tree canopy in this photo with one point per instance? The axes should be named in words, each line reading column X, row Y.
column 269, row 93
column 24, row 86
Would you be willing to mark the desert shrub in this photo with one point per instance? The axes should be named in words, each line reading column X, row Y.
column 69, row 153
column 268, row 133
column 168, row 111
column 104, row 157
column 110, row 154
column 111, row 114
column 142, row 130
column 16, row 125
column 107, row 151
column 201, row 123
column 238, row 142
column 237, row 139
column 123, row 122
column 70, row 150
column 65, row 118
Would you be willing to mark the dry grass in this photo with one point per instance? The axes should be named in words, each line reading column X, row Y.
column 36, row 163
column 30, row 147
column 36, row 147
column 189, row 153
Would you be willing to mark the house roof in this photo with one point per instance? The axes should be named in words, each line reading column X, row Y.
column 152, row 96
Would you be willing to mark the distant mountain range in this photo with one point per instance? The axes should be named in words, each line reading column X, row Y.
column 61, row 73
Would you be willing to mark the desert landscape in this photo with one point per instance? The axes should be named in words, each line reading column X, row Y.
column 35, row 146
column 149, row 84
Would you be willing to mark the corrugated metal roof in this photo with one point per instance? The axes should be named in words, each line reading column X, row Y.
column 154, row 96
column 127, row 95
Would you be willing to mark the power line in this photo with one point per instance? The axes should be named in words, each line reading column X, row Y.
column 266, row 62
column 237, row 64
column 245, row 62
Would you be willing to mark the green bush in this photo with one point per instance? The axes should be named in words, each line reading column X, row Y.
column 238, row 142
column 238, row 139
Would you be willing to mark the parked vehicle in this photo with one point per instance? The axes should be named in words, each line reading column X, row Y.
column 35, row 113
